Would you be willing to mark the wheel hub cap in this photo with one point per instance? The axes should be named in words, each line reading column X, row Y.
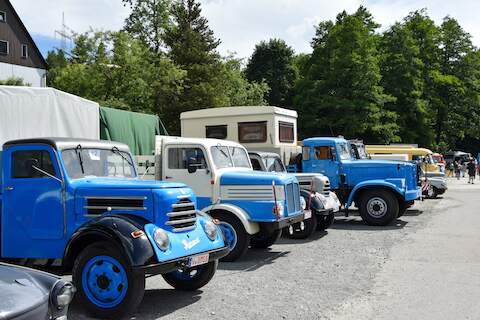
column 377, row 207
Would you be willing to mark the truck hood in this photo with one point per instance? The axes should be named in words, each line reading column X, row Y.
column 378, row 163
column 250, row 177
column 118, row 183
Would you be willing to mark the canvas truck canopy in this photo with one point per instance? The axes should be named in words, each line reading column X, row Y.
column 137, row 130
column 45, row 112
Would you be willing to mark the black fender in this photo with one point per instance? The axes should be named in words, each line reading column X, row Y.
column 117, row 229
column 315, row 204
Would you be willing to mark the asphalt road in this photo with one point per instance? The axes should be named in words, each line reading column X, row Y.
column 425, row 266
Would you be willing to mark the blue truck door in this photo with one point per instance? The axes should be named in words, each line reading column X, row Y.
column 322, row 159
column 33, row 214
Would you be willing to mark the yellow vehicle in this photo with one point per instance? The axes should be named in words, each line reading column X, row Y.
column 414, row 154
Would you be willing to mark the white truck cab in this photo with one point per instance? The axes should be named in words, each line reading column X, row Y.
column 252, row 206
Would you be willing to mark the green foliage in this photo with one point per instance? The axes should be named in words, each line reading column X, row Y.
column 272, row 62
column 14, row 81
column 341, row 91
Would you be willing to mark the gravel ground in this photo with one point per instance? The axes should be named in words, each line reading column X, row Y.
column 420, row 267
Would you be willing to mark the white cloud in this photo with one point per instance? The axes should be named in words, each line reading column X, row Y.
column 240, row 24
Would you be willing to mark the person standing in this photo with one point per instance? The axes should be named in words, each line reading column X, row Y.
column 471, row 171
column 456, row 166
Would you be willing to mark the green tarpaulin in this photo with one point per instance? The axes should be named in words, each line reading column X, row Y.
column 137, row 130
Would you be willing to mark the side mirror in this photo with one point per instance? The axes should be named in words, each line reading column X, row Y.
column 192, row 165
column 30, row 165
column 333, row 154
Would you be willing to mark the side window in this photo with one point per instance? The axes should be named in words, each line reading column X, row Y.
column 3, row 16
column 286, row 132
column 249, row 132
column 22, row 161
column 322, row 153
column 180, row 158
column 306, row 153
column 256, row 164
column 216, row 132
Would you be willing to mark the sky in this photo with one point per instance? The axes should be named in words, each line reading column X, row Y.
column 240, row 24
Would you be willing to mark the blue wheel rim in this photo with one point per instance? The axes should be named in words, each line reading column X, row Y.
column 104, row 281
column 230, row 234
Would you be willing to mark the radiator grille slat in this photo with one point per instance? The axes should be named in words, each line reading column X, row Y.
column 100, row 205
column 183, row 216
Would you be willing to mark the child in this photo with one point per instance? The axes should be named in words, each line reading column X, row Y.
column 471, row 171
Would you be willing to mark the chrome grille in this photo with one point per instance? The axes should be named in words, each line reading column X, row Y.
column 296, row 190
column 293, row 197
column 326, row 189
column 183, row 215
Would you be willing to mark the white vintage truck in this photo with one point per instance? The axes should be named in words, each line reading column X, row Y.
column 265, row 130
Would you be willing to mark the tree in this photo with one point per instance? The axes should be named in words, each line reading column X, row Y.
column 148, row 21
column 13, row 81
column 402, row 77
column 192, row 47
column 272, row 62
column 341, row 92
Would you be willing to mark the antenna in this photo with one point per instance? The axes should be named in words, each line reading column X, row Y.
column 66, row 35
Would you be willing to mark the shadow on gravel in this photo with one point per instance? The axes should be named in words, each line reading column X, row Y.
column 355, row 224
column 317, row 235
column 253, row 260
column 156, row 304
column 413, row 213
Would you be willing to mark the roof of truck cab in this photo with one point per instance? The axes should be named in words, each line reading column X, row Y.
column 70, row 143
column 207, row 142
column 324, row 139
column 237, row 111
column 264, row 154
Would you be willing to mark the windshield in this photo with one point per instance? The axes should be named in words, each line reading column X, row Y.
column 226, row 157
column 81, row 163
column 273, row 164
column 344, row 151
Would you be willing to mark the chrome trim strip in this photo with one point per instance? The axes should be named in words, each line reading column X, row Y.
column 183, row 229
column 116, row 198
column 182, row 205
column 115, row 208
column 175, row 222
column 181, row 213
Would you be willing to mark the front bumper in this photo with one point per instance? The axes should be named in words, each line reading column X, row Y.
column 330, row 203
column 281, row 223
column 411, row 195
column 175, row 264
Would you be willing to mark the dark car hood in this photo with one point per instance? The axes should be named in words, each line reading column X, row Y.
column 19, row 292
column 119, row 183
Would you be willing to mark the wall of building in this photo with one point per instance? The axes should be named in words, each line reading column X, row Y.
column 33, row 76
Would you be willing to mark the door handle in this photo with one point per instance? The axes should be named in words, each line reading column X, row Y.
column 8, row 188
column 167, row 177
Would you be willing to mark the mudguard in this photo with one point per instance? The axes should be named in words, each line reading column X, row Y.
column 315, row 203
column 393, row 185
column 118, row 229
column 250, row 227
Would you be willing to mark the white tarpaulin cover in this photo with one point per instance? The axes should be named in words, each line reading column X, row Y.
column 45, row 112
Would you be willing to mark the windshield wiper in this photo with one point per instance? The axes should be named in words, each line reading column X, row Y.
column 117, row 151
column 78, row 151
column 219, row 147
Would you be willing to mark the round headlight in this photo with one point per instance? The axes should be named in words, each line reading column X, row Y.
column 210, row 229
column 64, row 295
column 162, row 240
column 303, row 203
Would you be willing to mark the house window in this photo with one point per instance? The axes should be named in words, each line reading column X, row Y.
column 4, row 47
column 24, row 51
column 249, row 132
column 3, row 16
column 286, row 132
column 216, row 132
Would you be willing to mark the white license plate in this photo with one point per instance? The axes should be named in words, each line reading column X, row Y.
column 307, row 214
column 198, row 260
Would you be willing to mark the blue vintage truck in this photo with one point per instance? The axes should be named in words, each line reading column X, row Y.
column 80, row 204
column 252, row 207
column 382, row 190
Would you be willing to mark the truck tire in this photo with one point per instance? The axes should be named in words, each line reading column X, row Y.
column 403, row 207
column 325, row 222
column 193, row 278
column 235, row 234
column 297, row 231
column 106, row 284
column 264, row 240
column 378, row 207
column 432, row 192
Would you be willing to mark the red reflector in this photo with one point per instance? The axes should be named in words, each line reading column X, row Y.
column 137, row 234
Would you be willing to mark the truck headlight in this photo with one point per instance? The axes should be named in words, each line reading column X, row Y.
column 62, row 294
column 162, row 239
column 210, row 229
column 303, row 203
column 278, row 209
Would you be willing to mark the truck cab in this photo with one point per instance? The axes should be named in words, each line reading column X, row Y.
column 382, row 190
column 252, row 207
column 315, row 189
column 79, row 204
